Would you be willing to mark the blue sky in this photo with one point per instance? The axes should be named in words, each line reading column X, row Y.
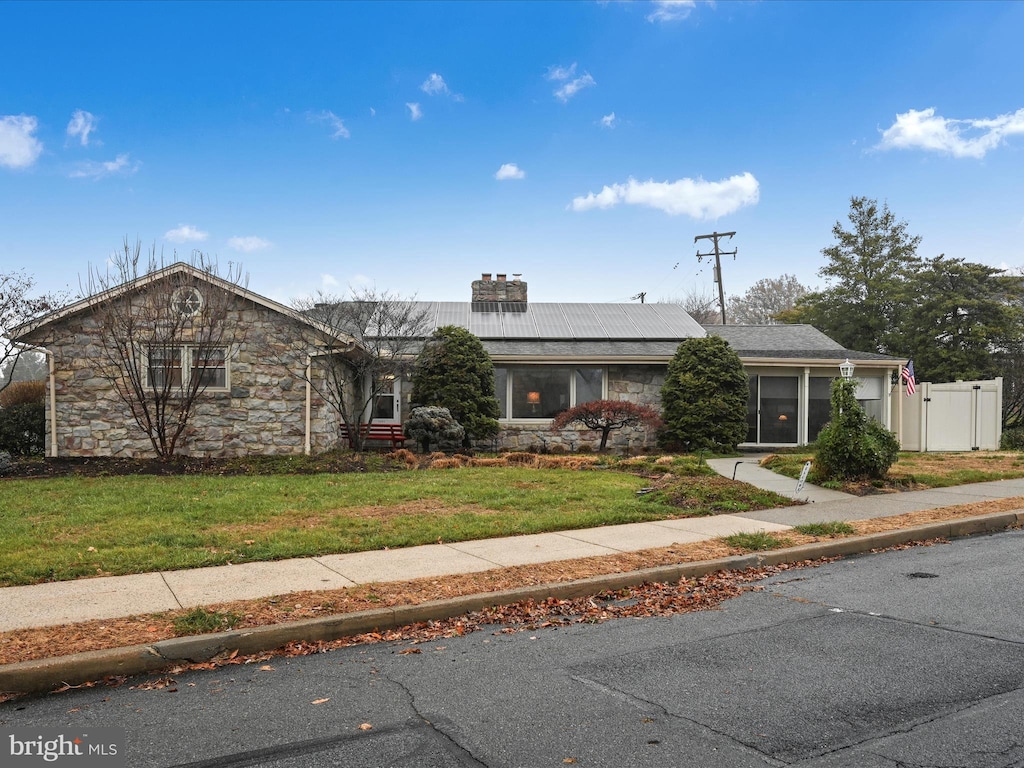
column 415, row 145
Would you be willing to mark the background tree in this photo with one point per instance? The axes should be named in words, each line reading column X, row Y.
column 704, row 397
column 700, row 304
column 852, row 446
column 765, row 300
column 148, row 314
column 606, row 416
column 363, row 342
column 959, row 319
column 455, row 372
column 18, row 306
column 865, row 272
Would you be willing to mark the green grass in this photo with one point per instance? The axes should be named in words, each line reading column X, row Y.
column 943, row 469
column 758, row 541
column 829, row 528
column 715, row 495
column 66, row 528
column 199, row 621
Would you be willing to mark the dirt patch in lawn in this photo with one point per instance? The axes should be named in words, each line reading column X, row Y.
column 23, row 645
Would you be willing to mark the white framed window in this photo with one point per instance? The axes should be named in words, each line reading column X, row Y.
column 544, row 391
column 210, row 365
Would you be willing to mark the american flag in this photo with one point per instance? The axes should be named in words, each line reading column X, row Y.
column 907, row 374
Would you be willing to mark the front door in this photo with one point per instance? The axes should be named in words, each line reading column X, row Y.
column 387, row 403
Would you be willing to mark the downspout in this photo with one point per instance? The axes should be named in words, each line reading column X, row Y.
column 53, row 404
column 307, row 447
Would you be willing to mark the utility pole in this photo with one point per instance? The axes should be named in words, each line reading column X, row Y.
column 642, row 295
column 718, row 263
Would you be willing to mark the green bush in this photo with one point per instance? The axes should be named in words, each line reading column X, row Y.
column 704, row 398
column 434, row 426
column 455, row 372
column 852, row 446
column 23, row 429
column 1012, row 439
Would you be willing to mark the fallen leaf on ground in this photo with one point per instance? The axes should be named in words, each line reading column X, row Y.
column 320, row 701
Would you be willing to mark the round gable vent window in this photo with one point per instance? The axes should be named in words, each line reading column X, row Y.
column 187, row 302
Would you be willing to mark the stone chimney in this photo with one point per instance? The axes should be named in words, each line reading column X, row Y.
column 502, row 289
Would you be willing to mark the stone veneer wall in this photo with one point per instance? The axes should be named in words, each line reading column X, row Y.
column 263, row 413
column 640, row 384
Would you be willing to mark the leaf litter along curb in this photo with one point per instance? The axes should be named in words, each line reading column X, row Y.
column 24, row 645
column 652, row 599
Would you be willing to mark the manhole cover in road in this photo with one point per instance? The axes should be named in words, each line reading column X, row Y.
column 922, row 575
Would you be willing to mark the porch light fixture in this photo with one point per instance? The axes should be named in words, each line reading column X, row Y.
column 846, row 369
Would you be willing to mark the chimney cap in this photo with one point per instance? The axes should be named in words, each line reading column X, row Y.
column 501, row 277
column 485, row 276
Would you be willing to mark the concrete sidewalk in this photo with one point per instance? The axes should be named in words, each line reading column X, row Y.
column 66, row 602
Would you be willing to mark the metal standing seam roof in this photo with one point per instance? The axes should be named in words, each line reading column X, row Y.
column 575, row 321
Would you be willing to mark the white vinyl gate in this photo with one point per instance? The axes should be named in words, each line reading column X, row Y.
column 958, row 416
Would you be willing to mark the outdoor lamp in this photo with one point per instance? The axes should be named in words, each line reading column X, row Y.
column 846, row 369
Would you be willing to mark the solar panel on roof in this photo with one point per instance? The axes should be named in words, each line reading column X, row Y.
column 616, row 323
column 452, row 313
column 550, row 321
column 583, row 323
column 518, row 325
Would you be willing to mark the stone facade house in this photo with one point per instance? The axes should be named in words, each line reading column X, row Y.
column 547, row 357
column 253, row 397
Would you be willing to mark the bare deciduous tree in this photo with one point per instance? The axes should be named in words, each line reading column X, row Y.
column 17, row 307
column 766, row 300
column 363, row 344
column 164, row 331
column 700, row 304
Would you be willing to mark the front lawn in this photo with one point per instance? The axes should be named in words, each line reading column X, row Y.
column 918, row 471
column 55, row 529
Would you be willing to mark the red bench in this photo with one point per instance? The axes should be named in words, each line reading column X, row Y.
column 391, row 433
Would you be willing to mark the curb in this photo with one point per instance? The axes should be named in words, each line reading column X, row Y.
column 43, row 675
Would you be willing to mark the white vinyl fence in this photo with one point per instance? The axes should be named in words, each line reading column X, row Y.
column 958, row 416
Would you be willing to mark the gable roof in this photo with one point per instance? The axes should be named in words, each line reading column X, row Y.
column 797, row 341
column 21, row 332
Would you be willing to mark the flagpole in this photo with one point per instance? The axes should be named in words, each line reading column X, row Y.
column 899, row 406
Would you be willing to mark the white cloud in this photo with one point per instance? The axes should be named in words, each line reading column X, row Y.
column 328, row 281
column 186, row 233
column 18, row 147
column 248, row 244
column 82, row 123
column 338, row 129
column 91, row 169
column 608, row 121
column 960, row 138
column 561, row 73
column 695, row 198
column 435, row 85
column 671, row 10
column 510, row 171
column 573, row 87
column 415, row 113
column 373, row 112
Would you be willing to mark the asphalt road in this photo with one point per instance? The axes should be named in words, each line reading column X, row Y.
column 908, row 658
